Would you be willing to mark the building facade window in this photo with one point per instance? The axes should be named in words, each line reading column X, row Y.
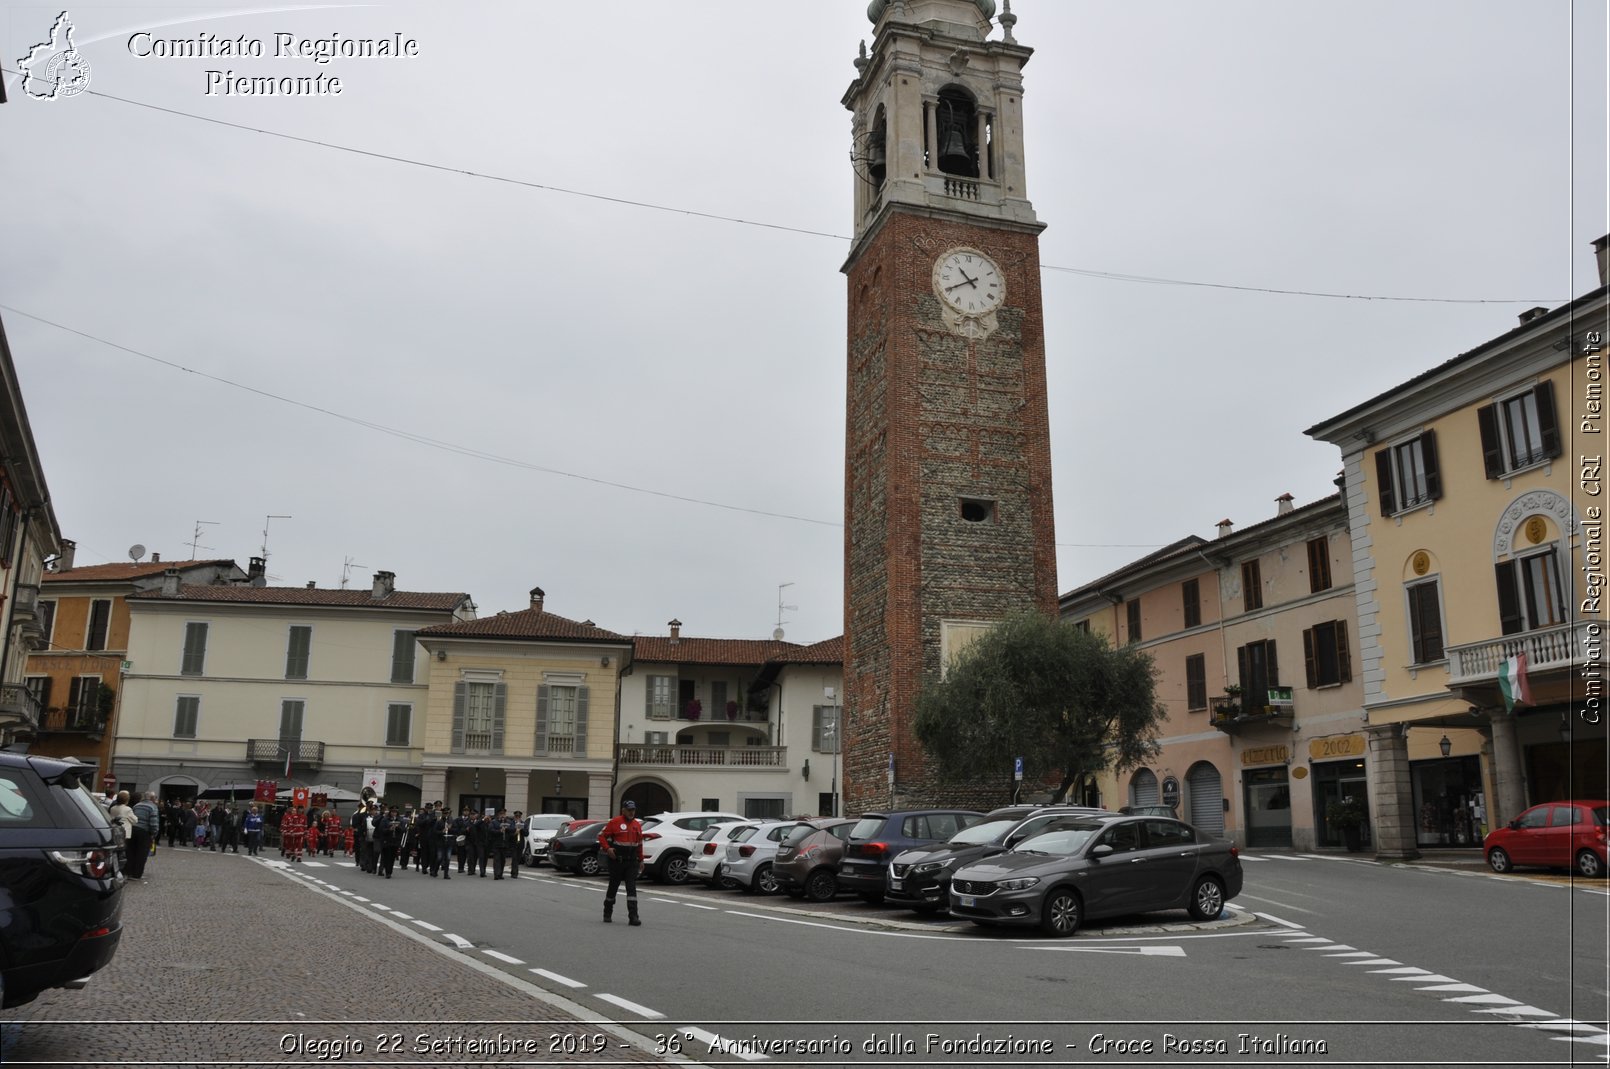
column 1082, row 625
column 298, row 644
column 1530, row 594
column 1408, row 474
column 84, row 704
column 660, row 697
column 47, row 620
column 39, row 687
column 399, row 723
column 477, row 716
column 1318, row 564
column 402, row 656
column 1259, row 672
column 1326, row 658
column 1191, row 597
column 1251, row 586
column 1425, row 621
column 186, row 716
column 1519, row 431
column 562, row 719
column 194, row 659
column 100, row 619
column 1196, row 682
column 825, row 729
column 1133, row 613
column 292, row 713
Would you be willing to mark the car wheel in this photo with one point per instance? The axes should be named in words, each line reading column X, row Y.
column 1207, row 899
column 1588, row 865
column 1062, row 914
column 589, row 865
column 1498, row 859
column 674, row 869
column 821, row 886
column 872, row 898
column 764, row 883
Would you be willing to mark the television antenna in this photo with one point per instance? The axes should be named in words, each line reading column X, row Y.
column 136, row 551
column 346, row 570
column 777, row 635
column 266, row 519
column 195, row 539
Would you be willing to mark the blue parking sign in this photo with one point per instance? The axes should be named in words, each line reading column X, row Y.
column 1017, row 768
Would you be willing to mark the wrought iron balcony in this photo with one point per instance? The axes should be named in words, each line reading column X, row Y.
column 87, row 721
column 1546, row 649
column 1232, row 717
column 18, row 703
column 272, row 752
column 750, row 758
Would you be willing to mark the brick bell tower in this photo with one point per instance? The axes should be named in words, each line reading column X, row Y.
column 948, row 520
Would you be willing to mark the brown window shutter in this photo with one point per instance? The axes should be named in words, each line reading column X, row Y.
column 1383, row 479
column 1308, row 659
column 1548, row 424
column 1492, row 455
column 1428, row 452
column 1344, row 658
column 1509, row 601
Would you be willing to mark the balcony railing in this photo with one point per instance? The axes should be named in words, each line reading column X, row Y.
column 1545, row 649
column 272, row 752
column 478, row 742
column 83, row 720
column 774, row 758
column 744, row 716
column 17, row 702
column 1232, row 718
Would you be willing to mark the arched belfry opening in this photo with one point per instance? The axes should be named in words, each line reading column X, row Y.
column 878, row 148
column 960, row 134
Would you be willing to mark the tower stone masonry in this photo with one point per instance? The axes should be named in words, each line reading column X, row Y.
column 948, row 507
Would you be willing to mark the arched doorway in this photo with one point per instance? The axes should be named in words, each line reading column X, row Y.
column 651, row 798
column 1143, row 788
column 1204, row 798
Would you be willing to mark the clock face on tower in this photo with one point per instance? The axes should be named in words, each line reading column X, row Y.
column 969, row 283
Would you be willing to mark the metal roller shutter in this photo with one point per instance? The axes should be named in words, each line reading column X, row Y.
column 1205, row 796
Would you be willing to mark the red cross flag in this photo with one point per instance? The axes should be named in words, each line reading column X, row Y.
column 375, row 780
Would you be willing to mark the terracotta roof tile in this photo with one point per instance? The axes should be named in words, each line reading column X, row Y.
column 827, row 651
column 537, row 624
column 245, row 594
column 122, row 571
column 665, row 650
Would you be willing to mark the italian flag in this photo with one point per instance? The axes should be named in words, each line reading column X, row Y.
column 1513, row 682
column 288, row 753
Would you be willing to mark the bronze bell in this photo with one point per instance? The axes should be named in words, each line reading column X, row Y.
column 878, row 161
column 953, row 154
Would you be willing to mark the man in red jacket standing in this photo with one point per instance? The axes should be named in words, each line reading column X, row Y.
column 622, row 842
column 293, row 827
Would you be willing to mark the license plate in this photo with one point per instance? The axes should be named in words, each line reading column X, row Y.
column 966, row 900
column 895, row 883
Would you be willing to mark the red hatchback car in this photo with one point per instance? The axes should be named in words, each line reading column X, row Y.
column 1556, row 835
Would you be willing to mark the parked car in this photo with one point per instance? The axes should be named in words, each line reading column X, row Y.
column 807, row 861
column 540, row 830
column 1149, row 811
column 61, row 891
column 878, row 837
column 1099, row 866
column 577, row 849
column 751, row 856
column 710, row 850
column 920, row 878
column 668, row 840
column 1559, row 835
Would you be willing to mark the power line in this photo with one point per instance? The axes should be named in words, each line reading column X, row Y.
column 1114, row 276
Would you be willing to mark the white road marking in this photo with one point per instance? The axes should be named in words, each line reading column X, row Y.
column 1333, row 946
column 458, row 940
column 1353, row 954
column 716, row 1043
column 1306, row 939
column 359, row 898
column 1277, row 902
column 1286, row 857
column 1160, row 952
column 400, row 915
column 696, row 905
column 1410, row 970
column 1455, row 986
column 667, row 901
column 427, row 926
column 1602, row 1039
column 1374, row 961
column 377, row 905
column 1522, row 1011
column 1564, row 1024
column 1249, row 857
column 1276, row 920
column 1430, row 978
column 502, row 957
column 631, row 1007
column 556, row 978
column 1488, row 999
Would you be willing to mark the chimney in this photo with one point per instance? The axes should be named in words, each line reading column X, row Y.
column 170, row 581
column 1601, row 253
column 1226, row 528
column 312, row 583
column 536, row 598
column 1532, row 313
column 64, row 559
column 385, row 583
column 676, row 630
column 156, row 558
column 257, row 571
column 1282, row 504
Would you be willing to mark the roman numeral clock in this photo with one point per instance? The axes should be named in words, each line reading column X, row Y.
column 948, row 507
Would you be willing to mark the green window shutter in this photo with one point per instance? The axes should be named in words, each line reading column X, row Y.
column 1428, row 456
column 542, row 719
column 402, row 657
column 195, row 649
column 458, row 716
column 818, row 744
column 1344, row 657
column 580, row 747
column 500, row 693
column 1383, row 481
column 1309, row 653
column 298, row 644
column 1548, row 423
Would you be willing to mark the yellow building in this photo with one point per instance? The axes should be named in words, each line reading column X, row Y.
column 1475, row 506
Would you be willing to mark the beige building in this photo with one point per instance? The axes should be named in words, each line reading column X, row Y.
column 1475, row 507
column 522, row 712
column 1252, row 636
column 229, row 683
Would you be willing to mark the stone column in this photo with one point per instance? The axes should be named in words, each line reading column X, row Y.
column 931, row 121
column 1507, row 781
column 600, row 806
column 433, row 786
column 1391, row 793
column 517, row 790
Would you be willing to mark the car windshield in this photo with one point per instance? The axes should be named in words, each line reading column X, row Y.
column 1069, row 840
column 866, row 827
column 710, row 833
column 549, row 822
column 987, row 832
column 745, row 834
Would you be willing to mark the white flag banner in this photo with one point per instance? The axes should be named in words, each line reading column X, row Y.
column 375, row 778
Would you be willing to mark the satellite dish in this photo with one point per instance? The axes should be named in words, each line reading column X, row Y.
column 136, row 551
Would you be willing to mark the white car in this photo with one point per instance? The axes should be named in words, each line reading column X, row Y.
column 750, row 856
column 668, row 841
column 710, row 850
column 540, row 829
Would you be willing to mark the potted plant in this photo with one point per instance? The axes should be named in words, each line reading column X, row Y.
column 1347, row 815
column 1229, row 706
column 693, row 709
column 732, row 710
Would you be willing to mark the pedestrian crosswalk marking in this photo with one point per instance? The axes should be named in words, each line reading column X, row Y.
column 558, row 979
column 631, row 1007
column 502, row 957
column 429, row 927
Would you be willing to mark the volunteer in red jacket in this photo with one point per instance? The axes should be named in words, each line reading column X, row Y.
column 622, row 842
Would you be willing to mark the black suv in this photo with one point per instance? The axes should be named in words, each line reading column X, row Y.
column 61, row 893
column 878, row 837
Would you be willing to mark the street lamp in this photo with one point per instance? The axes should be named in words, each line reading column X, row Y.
column 830, row 729
column 1444, row 745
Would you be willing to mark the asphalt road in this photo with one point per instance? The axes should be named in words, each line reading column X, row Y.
column 1328, row 961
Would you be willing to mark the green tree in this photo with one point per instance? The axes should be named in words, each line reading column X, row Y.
column 1057, row 696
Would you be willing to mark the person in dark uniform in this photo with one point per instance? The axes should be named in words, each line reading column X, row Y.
column 481, row 836
column 388, row 833
column 521, row 831
column 231, row 840
column 500, row 836
column 622, row 842
column 187, row 825
column 445, row 841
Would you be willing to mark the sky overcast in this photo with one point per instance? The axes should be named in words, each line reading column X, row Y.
column 615, row 368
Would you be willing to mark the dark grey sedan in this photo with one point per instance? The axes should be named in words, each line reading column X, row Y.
column 1099, row 866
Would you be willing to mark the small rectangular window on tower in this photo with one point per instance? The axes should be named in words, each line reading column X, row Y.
column 977, row 510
